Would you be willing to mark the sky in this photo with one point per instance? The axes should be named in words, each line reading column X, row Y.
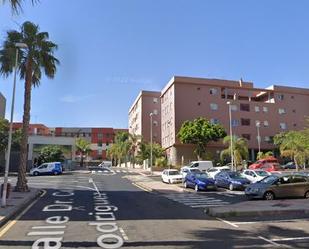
column 111, row 50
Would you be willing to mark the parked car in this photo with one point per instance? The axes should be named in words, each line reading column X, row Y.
column 185, row 170
column 231, row 180
column 255, row 175
column 199, row 181
column 171, row 176
column 274, row 186
column 53, row 168
column 215, row 170
column 258, row 164
column 289, row 165
column 271, row 167
column 201, row 165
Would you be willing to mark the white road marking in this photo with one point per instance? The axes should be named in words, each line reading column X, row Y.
column 118, row 171
column 289, row 239
column 267, row 221
column 95, row 186
column 269, row 241
column 227, row 222
column 125, row 237
column 208, row 205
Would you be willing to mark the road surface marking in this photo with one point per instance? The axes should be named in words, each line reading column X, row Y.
column 142, row 188
column 123, row 234
column 289, row 239
column 13, row 222
column 267, row 221
column 269, row 241
column 95, row 186
column 227, row 222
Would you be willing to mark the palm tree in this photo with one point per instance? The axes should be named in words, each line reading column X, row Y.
column 32, row 61
column 16, row 5
column 240, row 149
column 134, row 144
column 83, row 147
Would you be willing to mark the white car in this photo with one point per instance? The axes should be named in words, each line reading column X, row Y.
column 215, row 170
column 186, row 169
column 255, row 175
column 171, row 176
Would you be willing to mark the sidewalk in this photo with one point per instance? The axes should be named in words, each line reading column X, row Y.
column 16, row 204
column 261, row 208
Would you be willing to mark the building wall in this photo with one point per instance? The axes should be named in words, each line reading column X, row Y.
column 2, row 106
column 34, row 129
column 194, row 97
column 139, row 120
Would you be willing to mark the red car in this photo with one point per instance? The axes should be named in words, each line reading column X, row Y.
column 271, row 167
column 258, row 164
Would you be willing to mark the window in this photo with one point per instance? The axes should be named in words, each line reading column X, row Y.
column 155, row 100
column 155, row 112
column 234, row 108
column 257, row 109
column 213, row 91
column 235, row 122
column 214, row 121
column 281, row 111
column 155, row 123
column 265, row 109
column 266, row 124
column 245, row 121
column 100, row 135
column 245, row 107
column 280, row 96
column 267, row 139
column 246, row 136
column 283, row 126
column 213, row 106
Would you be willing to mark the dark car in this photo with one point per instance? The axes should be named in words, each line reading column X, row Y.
column 275, row 186
column 231, row 180
column 289, row 165
column 199, row 181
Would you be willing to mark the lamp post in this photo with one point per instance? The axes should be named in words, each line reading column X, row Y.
column 231, row 134
column 150, row 115
column 258, row 125
column 8, row 153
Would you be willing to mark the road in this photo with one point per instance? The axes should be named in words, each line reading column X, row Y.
column 106, row 211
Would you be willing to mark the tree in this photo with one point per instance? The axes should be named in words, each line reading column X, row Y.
column 32, row 61
column 240, row 149
column 83, row 147
column 295, row 145
column 50, row 153
column 262, row 155
column 200, row 132
column 134, row 144
column 4, row 136
column 16, row 5
column 144, row 152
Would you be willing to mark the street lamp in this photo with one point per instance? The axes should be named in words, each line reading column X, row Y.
column 18, row 45
column 258, row 125
column 150, row 115
column 231, row 134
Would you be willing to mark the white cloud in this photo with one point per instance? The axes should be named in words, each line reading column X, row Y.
column 74, row 98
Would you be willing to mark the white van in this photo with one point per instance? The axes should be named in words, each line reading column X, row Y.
column 106, row 164
column 201, row 165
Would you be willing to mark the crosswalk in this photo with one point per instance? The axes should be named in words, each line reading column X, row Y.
column 113, row 171
column 197, row 200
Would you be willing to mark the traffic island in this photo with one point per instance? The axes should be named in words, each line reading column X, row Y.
column 261, row 208
column 16, row 203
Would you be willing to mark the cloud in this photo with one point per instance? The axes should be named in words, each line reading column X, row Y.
column 74, row 99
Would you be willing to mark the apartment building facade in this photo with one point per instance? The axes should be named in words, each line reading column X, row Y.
column 139, row 116
column 275, row 109
column 2, row 105
column 34, row 129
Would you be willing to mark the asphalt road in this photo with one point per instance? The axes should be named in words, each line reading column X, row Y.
column 98, row 210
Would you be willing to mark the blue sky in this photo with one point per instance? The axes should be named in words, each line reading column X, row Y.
column 110, row 50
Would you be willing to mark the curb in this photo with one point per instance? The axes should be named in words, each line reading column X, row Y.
column 18, row 209
column 213, row 213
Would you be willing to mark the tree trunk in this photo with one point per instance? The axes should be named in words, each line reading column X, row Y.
column 296, row 164
column 21, row 185
column 81, row 160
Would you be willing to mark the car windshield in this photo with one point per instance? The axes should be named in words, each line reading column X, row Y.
column 261, row 173
column 269, row 179
column 235, row 175
column 202, row 176
column 174, row 172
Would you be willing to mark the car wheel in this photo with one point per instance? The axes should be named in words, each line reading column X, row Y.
column 307, row 195
column 269, row 196
column 169, row 182
column 185, row 185
column 196, row 188
column 55, row 173
column 35, row 173
column 231, row 187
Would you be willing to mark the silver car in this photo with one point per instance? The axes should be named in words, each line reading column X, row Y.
column 279, row 186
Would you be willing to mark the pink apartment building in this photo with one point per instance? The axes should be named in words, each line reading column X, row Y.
column 276, row 108
column 139, row 116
